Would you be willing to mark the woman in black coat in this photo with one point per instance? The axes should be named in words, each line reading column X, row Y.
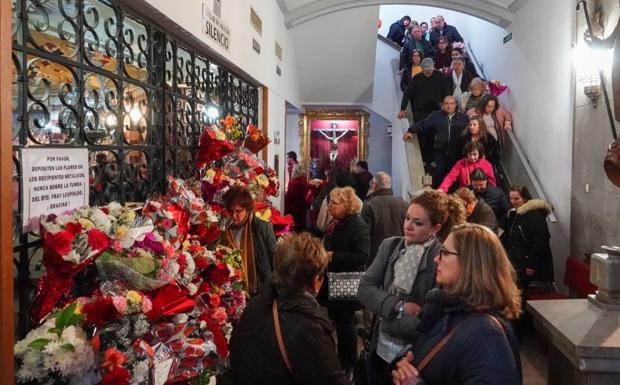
column 255, row 357
column 470, row 311
column 526, row 237
column 347, row 241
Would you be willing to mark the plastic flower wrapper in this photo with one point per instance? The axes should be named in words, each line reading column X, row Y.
column 213, row 146
column 256, row 139
column 68, row 248
column 497, row 88
column 138, row 268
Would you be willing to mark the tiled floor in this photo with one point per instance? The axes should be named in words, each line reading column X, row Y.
column 533, row 362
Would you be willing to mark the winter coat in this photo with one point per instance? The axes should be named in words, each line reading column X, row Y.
column 306, row 330
column 466, row 78
column 446, row 131
column 491, row 147
column 461, row 171
column 468, row 101
column 362, row 183
column 350, row 242
column 497, row 199
column 385, row 215
column 408, row 47
column 264, row 248
column 483, row 215
column 397, row 32
column 449, row 31
column 442, row 61
column 295, row 202
column 500, row 116
column 375, row 285
column 480, row 352
column 425, row 93
column 526, row 239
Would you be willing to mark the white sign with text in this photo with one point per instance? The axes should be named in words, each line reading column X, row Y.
column 215, row 28
column 54, row 180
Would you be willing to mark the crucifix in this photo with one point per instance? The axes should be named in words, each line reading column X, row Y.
column 333, row 134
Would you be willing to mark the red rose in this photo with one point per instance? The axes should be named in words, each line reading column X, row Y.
column 117, row 376
column 220, row 274
column 98, row 240
column 214, row 300
column 100, row 311
column 74, row 227
column 60, row 242
column 166, row 224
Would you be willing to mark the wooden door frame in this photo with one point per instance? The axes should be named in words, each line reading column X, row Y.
column 7, row 316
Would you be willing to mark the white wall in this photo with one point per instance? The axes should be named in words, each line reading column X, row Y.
column 335, row 56
column 276, row 122
column 262, row 67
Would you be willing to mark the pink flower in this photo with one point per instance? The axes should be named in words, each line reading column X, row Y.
column 147, row 305
column 120, row 303
column 219, row 315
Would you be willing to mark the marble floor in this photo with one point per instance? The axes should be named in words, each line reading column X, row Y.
column 533, row 361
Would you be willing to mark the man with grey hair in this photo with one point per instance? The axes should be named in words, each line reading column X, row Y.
column 383, row 212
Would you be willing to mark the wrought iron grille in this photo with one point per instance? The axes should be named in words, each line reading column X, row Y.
column 88, row 73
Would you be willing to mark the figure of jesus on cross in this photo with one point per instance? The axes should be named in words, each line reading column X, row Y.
column 333, row 135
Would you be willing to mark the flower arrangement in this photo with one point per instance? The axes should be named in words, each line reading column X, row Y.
column 497, row 88
column 256, row 139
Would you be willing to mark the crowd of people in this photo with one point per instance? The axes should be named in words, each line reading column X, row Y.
column 443, row 275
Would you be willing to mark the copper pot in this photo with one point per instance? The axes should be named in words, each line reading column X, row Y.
column 612, row 162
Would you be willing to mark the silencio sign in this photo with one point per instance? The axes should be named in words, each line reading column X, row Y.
column 215, row 28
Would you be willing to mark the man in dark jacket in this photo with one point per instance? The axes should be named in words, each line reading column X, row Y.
column 397, row 30
column 445, row 127
column 414, row 41
column 383, row 212
column 425, row 93
column 443, row 29
column 362, row 179
column 492, row 195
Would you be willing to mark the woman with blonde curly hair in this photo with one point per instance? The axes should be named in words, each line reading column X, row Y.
column 395, row 285
column 347, row 241
column 470, row 313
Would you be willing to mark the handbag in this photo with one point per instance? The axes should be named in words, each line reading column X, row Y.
column 343, row 286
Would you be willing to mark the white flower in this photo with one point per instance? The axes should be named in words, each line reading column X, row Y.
column 180, row 318
column 72, row 256
column 115, row 208
column 101, row 220
column 31, row 368
column 191, row 288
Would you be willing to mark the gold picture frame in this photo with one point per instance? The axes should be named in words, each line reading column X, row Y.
column 305, row 136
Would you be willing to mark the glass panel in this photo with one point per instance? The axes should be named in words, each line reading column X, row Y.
column 169, row 119
column 184, row 70
column 52, row 102
column 169, row 159
column 135, row 176
column 17, row 22
column 135, row 106
column 135, row 49
column 170, row 48
column 183, row 122
column 201, row 79
column 100, row 109
column 53, row 26
column 17, row 96
column 185, row 164
column 214, row 84
column 100, row 35
column 103, row 175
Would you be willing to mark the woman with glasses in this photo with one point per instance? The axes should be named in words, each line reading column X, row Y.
column 443, row 55
column 469, row 313
column 396, row 283
column 347, row 241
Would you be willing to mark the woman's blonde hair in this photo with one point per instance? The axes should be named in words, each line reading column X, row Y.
column 298, row 260
column 465, row 195
column 441, row 209
column 346, row 196
column 298, row 171
column 487, row 280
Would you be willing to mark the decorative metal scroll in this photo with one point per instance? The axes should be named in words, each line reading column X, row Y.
column 88, row 73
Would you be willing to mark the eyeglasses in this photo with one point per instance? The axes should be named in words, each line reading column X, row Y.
column 443, row 252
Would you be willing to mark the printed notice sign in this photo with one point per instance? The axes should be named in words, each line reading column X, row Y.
column 54, row 180
column 215, row 28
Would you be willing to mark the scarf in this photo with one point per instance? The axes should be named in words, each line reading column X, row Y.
column 246, row 246
column 407, row 266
